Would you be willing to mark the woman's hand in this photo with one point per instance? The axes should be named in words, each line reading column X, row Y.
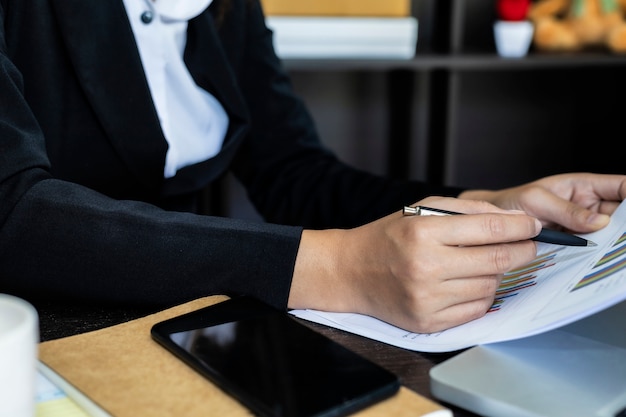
column 578, row 202
column 423, row 274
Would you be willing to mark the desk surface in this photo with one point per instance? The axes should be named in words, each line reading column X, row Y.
column 63, row 319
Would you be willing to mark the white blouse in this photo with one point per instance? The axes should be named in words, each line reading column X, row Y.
column 194, row 123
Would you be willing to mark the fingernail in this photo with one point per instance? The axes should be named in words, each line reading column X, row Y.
column 598, row 219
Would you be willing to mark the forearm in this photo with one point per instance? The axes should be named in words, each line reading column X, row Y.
column 68, row 241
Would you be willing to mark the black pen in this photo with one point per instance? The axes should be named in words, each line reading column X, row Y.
column 546, row 235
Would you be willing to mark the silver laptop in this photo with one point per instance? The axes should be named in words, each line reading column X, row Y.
column 576, row 370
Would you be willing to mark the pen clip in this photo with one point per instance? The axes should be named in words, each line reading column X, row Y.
column 410, row 211
column 425, row 211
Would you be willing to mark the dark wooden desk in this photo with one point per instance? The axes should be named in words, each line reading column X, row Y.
column 66, row 319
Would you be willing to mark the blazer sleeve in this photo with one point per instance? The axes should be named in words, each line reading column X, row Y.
column 58, row 239
column 289, row 175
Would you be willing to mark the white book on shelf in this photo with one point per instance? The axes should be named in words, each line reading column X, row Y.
column 344, row 37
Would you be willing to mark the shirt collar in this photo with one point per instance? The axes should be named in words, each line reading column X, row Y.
column 179, row 10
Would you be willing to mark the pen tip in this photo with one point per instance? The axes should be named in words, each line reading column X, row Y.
column 590, row 243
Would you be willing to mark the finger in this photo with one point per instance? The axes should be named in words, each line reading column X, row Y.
column 609, row 187
column 608, row 207
column 452, row 316
column 470, row 288
column 462, row 313
column 478, row 297
column 459, row 263
column 568, row 214
column 476, row 229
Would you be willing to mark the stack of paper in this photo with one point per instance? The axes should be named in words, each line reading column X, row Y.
column 344, row 37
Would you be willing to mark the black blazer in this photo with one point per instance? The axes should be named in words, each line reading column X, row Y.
column 71, row 81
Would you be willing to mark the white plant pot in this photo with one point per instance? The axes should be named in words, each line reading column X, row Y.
column 513, row 38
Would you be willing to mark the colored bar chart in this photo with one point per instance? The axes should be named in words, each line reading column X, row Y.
column 520, row 279
column 612, row 262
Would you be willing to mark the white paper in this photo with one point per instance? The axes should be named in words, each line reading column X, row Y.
column 563, row 284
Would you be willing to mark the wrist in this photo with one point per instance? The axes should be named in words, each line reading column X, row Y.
column 318, row 281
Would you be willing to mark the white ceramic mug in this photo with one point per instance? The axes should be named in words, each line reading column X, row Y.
column 19, row 336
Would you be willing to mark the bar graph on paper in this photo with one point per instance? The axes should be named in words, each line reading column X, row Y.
column 612, row 262
column 515, row 282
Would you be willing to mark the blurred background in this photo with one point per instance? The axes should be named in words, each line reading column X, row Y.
column 455, row 112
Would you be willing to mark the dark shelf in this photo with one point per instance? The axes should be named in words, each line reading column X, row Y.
column 459, row 114
column 461, row 62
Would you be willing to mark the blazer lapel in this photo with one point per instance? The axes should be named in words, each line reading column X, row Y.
column 208, row 65
column 101, row 45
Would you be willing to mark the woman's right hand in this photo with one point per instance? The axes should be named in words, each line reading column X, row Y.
column 423, row 274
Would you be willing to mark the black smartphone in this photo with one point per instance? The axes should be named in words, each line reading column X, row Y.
column 271, row 363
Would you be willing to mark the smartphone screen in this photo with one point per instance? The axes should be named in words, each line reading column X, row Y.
column 273, row 364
